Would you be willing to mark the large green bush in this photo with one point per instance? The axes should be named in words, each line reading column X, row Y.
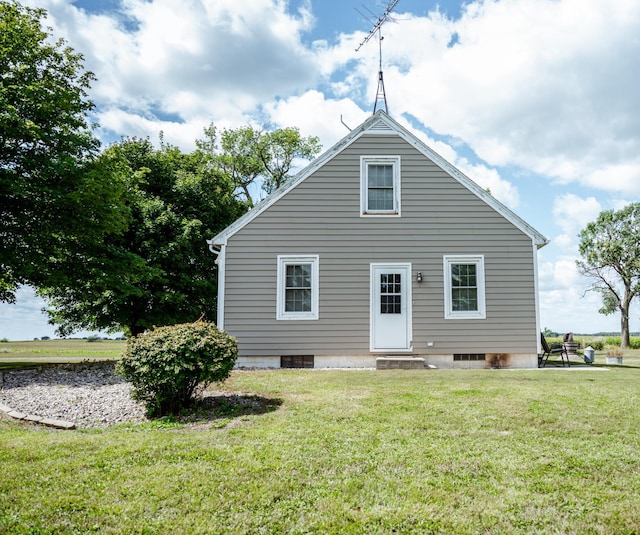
column 169, row 366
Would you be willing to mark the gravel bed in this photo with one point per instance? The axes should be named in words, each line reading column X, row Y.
column 89, row 395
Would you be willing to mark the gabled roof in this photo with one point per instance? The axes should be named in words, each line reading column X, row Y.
column 379, row 123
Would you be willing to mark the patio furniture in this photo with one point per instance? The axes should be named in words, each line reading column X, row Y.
column 553, row 349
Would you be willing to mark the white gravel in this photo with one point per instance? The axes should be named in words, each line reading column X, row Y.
column 89, row 395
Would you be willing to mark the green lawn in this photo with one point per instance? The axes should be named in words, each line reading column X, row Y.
column 488, row 451
column 29, row 353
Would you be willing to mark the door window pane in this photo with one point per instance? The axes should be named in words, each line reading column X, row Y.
column 390, row 293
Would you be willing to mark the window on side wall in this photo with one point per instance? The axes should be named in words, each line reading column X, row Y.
column 380, row 185
column 298, row 286
column 464, row 292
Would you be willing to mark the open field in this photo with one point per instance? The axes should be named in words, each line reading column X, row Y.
column 29, row 353
column 328, row 451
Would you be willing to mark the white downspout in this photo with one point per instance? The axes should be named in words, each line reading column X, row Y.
column 220, row 262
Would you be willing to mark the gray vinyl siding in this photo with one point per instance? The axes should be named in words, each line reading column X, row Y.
column 321, row 216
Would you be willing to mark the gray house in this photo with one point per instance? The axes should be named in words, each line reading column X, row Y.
column 380, row 248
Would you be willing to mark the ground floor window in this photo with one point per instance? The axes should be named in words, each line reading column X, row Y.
column 464, row 287
column 298, row 286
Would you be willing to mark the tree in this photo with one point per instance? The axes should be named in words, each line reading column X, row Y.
column 238, row 157
column 610, row 250
column 54, row 196
column 247, row 155
column 278, row 150
column 159, row 271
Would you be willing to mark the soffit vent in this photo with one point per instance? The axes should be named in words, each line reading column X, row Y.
column 379, row 128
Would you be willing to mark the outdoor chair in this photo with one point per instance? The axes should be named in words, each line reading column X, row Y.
column 553, row 349
column 571, row 348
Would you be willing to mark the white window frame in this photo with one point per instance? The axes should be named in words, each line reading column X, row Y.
column 365, row 161
column 478, row 261
column 283, row 262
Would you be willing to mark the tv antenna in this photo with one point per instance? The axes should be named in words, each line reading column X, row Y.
column 381, row 96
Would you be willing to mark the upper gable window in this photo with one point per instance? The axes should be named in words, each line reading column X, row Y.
column 380, row 185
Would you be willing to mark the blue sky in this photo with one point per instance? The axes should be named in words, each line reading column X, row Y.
column 535, row 99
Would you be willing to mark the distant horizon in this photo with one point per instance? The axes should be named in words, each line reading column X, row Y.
column 122, row 337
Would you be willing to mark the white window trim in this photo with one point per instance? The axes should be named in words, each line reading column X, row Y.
column 364, row 163
column 478, row 260
column 283, row 262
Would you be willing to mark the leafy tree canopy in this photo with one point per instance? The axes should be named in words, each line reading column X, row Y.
column 255, row 159
column 610, row 250
column 160, row 271
column 55, row 197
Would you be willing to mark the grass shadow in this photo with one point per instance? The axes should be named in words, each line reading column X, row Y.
column 221, row 405
column 218, row 410
column 10, row 366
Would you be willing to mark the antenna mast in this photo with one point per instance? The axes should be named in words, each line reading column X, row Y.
column 377, row 29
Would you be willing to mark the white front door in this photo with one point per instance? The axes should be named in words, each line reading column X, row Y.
column 390, row 307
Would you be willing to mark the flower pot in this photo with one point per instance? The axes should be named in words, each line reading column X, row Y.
column 614, row 360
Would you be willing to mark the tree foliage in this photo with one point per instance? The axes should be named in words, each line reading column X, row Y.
column 610, row 250
column 169, row 366
column 54, row 196
column 249, row 156
column 155, row 269
column 159, row 271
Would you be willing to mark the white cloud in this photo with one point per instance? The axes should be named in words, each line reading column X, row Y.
column 623, row 178
column 315, row 115
column 548, row 85
column 572, row 213
column 197, row 60
column 490, row 179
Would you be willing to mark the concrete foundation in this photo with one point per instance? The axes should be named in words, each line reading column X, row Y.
column 447, row 362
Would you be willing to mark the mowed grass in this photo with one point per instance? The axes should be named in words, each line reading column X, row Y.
column 34, row 352
column 487, row 451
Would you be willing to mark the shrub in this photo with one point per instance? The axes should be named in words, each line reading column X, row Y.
column 169, row 366
column 614, row 341
column 596, row 344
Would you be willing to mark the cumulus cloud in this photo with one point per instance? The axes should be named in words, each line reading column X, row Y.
column 547, row 85
column 572, row 213
column 325, row 120
column 200, row 60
